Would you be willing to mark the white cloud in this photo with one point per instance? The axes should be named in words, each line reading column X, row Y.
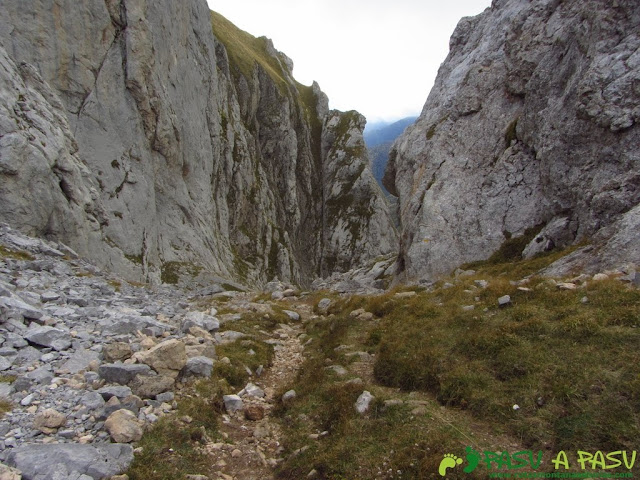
column 374, row 56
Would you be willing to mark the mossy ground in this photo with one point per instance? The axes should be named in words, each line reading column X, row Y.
column 569, row 360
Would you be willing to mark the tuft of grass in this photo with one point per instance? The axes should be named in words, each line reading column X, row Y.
column 511, row 133
column 5, row 406
column 243, row 354
column 15, row 254
column 170, row 272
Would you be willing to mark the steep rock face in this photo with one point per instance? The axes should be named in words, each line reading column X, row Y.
column 155, row 148
column 356, row 223
column 532, row 124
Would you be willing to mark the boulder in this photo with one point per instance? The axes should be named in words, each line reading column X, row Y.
column 122, row 373
column 49, row 420
column 198, row 367
column 51, row 337
column 124, row 426
column 96, row 461
column 166, row 358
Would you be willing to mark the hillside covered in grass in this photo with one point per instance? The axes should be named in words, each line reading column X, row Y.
column 557, row 368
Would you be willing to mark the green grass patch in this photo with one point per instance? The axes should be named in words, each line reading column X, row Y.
column 385, row 440
column 243, row 354
column 567, row 364
column 5, row 406
column 572, row 367
column 170, row 272
column 245, row 50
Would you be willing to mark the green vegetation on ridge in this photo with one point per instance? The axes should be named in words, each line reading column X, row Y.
column 245, row 50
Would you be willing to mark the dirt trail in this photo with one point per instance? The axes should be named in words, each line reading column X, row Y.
column 251, row 448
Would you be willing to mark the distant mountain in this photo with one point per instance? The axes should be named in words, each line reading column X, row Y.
column 382, row 132
column 379, row 137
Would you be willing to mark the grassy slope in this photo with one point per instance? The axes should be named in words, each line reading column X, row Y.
column 572, row 367
column 245, row 50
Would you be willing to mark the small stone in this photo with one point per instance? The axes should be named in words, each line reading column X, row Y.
column 236, row 453
column 117, row 351
column 599, row 277
column 150, row 386
column 49, row 296
column 199, row 367
column 49, row 337
column 49, row 420
column 363, row 402
column 254, row 412
column 8, row 473
column 122, row 373
column 567, row 286
column 481, row 283
column 232, row 403
column 252, row 390
column 288, row 396
column 166, row 358
column 323, row 305
column 338, row 369
column 504, row 301
column 468, row 308
column 293, row 316
column 114, row 391
column 194, row 477
column 405, row 294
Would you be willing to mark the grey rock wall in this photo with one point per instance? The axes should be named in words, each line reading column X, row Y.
column 127, row 132
column 532, row 122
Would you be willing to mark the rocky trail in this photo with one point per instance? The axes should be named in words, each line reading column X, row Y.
column 88, row 362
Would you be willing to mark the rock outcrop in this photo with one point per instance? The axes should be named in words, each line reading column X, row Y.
column 532, row 126
column 161, row 149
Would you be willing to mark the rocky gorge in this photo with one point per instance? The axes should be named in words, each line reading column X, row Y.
column 183, row 223
column 160, row 141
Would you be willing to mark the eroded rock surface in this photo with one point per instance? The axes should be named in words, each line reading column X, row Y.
column 532, row 124
column 161, row 151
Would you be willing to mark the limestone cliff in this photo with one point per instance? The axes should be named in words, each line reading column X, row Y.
column 532, row 125
column 157, row 145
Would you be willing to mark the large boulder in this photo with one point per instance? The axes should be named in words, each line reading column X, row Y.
column 166, row 358
column 96, row 461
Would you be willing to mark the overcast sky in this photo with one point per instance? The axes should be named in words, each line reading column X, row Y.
column 377, row 57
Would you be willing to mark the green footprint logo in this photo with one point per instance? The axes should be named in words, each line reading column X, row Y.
column 449, row 461
column 473, row 458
